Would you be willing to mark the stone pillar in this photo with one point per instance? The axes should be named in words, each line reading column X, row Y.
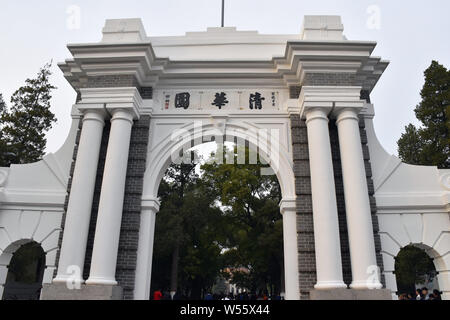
column 357, row 204
column 292, row 285
column 107, row 233
column 326, row 224
column 73, row 248
column 145, row 249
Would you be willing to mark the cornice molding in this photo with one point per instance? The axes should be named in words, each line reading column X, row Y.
column 301, row 57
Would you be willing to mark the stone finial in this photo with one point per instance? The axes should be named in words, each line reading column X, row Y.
column 322, row 28
column 124, row 30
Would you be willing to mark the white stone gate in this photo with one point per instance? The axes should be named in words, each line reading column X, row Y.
column 348, row 207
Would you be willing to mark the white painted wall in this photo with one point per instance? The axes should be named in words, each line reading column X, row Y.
column 413, row 209
column 32, row 204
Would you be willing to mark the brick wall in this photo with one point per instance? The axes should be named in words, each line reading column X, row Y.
column 294, row 92
column 305, row 226
column 329, row 79
column 129, row 233
column 111, row 81
column 114, row 81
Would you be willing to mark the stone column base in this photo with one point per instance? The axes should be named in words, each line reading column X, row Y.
column 351, row 294
column 86, row 292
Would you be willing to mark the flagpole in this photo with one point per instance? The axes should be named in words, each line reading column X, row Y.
column 223, row 13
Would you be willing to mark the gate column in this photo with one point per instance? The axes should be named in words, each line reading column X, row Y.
column 357, row 204
column 150, row 208
column 325, row 217
column 73, row 248
column 291, row 276
column 107, row 233
column 315, row 105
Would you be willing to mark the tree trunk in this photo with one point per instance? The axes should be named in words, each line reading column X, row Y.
column 174, row 271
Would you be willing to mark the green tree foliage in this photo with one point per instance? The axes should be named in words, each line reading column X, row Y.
column 253, row 222
column 187, row 234
column 225, row 219
column 24, row 124
column 2, row 104
column 27, row 264
column 430, row 144
column 412, row 266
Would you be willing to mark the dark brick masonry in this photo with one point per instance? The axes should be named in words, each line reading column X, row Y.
column 114, row 81
column 111, row 81
column 305, row 226
column 329, row 79
column 129, row 234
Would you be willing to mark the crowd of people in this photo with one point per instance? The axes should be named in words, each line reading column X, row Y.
column 164, row 295
column 421, row 294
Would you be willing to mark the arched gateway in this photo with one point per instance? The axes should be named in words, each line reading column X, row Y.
column 302, row 101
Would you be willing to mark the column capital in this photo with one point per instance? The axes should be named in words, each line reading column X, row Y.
column 288, row 205
column 150, row 204
column 317, row 113
column 110, row 99
column 293, row 107
column 94, row 115
column 346, row 114
column 329, row 98
column 122, row 114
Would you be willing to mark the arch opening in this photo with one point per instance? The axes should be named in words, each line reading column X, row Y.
column 416, row 274
column 25, row 272
column 222, row 246
column 266, row 145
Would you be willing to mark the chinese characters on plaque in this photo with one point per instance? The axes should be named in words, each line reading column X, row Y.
column 221, row 100
column 182, row 100
column 256, row 101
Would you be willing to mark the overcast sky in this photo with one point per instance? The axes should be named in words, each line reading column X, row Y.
column 410, row 34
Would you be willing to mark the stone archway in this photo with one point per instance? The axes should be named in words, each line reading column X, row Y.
column 26, row 263
column 280, row 161
column 413, row 267
column 440, row 262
